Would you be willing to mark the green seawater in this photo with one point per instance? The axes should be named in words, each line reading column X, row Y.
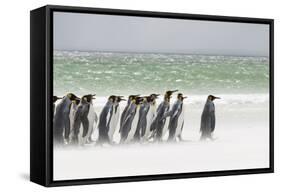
column 106, row 73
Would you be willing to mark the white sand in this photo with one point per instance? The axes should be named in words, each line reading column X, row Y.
column 242, row 142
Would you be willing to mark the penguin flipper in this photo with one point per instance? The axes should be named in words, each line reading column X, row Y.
column 182, row 126
column 108, row 117
column 153, row 125
column 128, row 117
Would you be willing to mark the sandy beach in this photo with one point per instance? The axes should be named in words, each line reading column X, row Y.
column 241, row 142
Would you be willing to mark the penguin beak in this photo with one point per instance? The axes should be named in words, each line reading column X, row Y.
column 93, row 95
column 59, row 97
column 174, row 91
column 184, row 97
column 93, row 98
column 217, row 98
column 123, row 100
column 77, row 98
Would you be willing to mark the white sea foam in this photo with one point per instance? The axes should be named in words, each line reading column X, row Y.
column 226, row 99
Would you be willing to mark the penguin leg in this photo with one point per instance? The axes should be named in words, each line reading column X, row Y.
column 172, row 136
column 180, row 138
column 89, row 139
column 89, row 133
column 203, row 136
column 211, row 136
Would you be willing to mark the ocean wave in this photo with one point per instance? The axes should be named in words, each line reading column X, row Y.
column 136, row 72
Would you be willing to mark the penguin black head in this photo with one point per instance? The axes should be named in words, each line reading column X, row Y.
column 112, row 98
column 138, row 100
column 131, row 97
column 71, row 96
column 181, row 97
column 154, row 96
column 89, row 97
column 55, row 98
column 76, row 101
column 146, row 99
column 119, row 99
column 169, row 93
column 212, row 97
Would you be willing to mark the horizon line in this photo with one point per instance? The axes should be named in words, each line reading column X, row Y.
column 151, row 52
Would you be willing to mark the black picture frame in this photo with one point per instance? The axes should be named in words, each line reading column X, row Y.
column 41, row 91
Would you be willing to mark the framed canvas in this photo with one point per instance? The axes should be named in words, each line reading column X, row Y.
column 123, row 95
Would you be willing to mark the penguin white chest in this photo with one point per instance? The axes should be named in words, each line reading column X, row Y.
column 91, row 115
column 149, row 119
column 150, row 115
column 91, row 120
column 166, row 125
column 113, row 122
column 180, row 123
column 134, row 125
column 72, row 112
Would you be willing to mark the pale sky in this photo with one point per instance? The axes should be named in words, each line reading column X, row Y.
column 93, row 32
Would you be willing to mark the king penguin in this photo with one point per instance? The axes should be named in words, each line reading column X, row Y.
column 144, row 107
column 180, row 125
column 80, row 118
column 88, row 118
column 115, row 117
column 176, row 115
column 104, row 121
column 146, row 115
column 131, row 121
column 125, row 111
column 159, row 121
column 61, row 128
column 208, row 119
column 151, row 114
column 73, row 136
